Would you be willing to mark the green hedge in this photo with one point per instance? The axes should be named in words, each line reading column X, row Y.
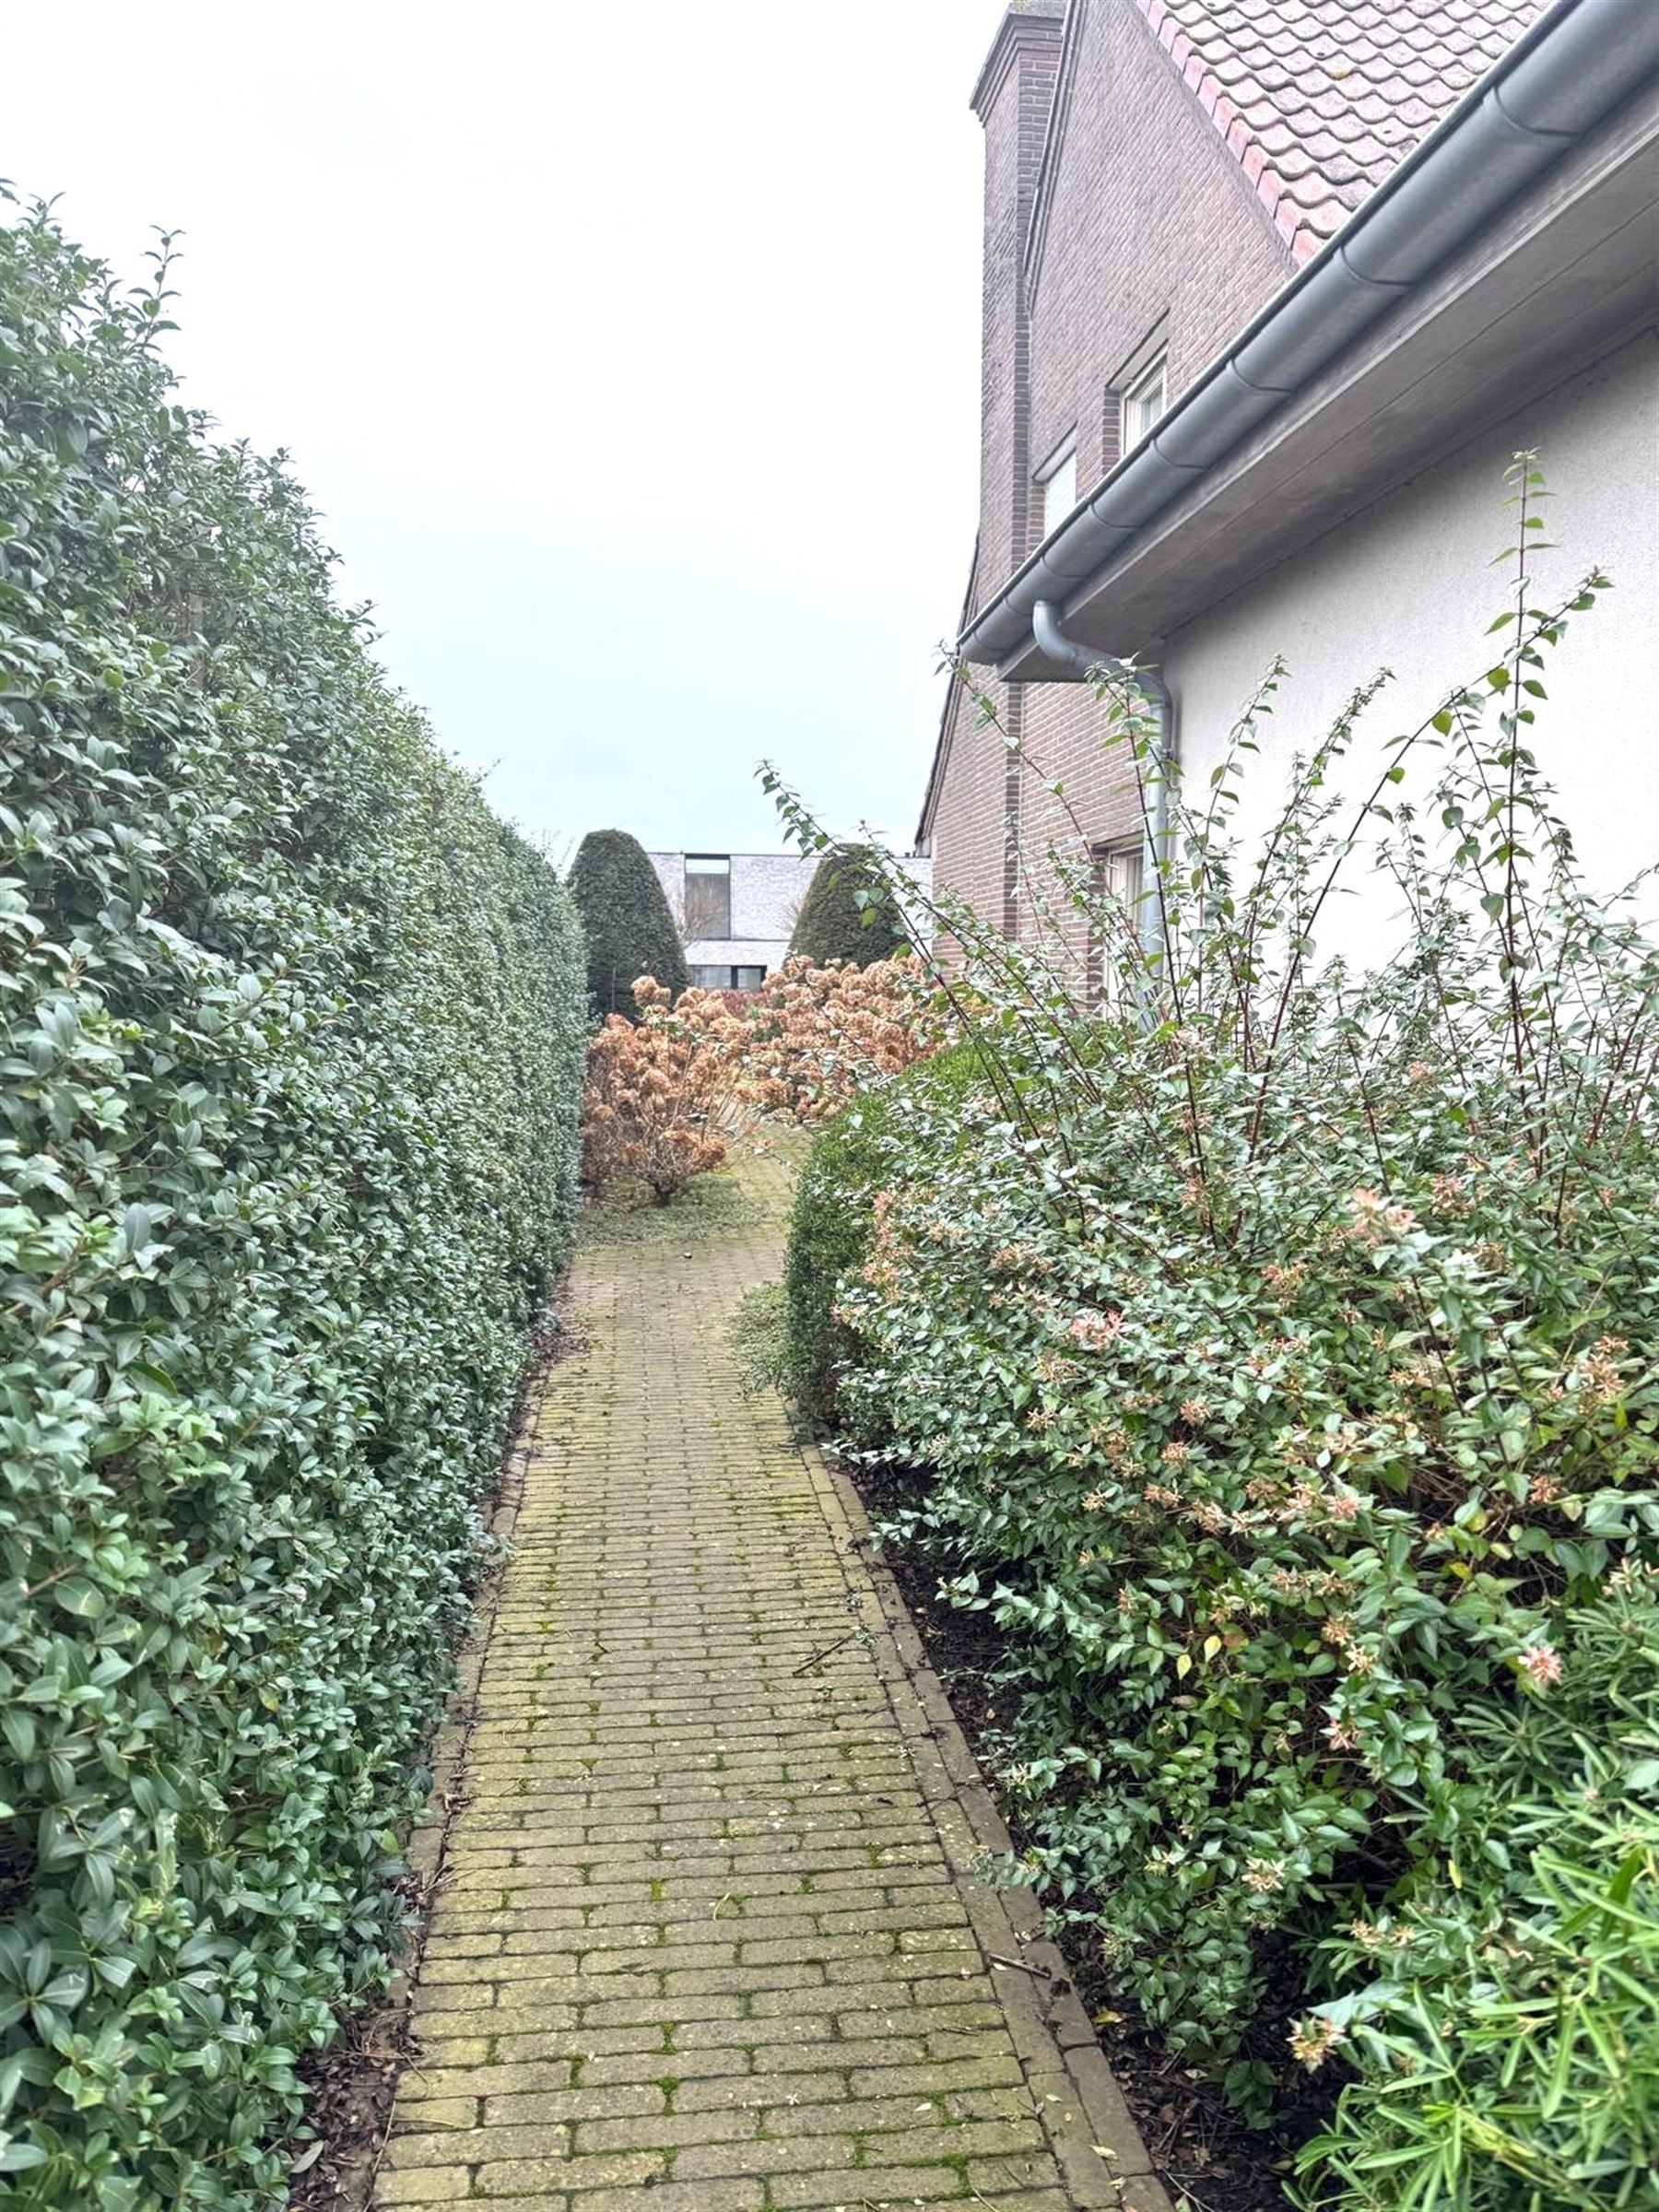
column 851, row 1158
column 291, row 1030
column 829, row 1235
column 846, row 914
column 627, row 921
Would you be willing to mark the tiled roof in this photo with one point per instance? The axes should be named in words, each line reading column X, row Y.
column 1321, row 98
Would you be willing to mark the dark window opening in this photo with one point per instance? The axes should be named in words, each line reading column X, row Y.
column 708, row 895
column 722, row 978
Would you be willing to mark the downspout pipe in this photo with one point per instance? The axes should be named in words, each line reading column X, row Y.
column 1049, row 631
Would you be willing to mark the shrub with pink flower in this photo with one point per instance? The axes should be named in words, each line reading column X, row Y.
column 1368, row 1485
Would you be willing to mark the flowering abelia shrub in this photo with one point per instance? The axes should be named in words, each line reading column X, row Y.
column 1261, row 1529
column 1282, row 1350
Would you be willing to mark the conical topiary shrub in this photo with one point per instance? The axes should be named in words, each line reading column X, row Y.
column 833, row 925
column 630, row 932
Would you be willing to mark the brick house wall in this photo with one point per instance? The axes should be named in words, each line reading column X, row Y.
column 1148, row 220
column 1112, row 209
column 968, row 839
column 1012, row 99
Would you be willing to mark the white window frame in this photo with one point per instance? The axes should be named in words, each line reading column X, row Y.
column 1058, row 481
column 1142, row 376
column 1146, row 400
column 1121, row 873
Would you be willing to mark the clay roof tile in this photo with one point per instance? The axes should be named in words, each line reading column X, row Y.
column 1324, row 97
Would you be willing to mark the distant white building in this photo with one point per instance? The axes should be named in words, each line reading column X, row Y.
column 735, row 912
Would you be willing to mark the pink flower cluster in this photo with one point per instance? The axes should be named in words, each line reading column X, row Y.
column 1093, row 1330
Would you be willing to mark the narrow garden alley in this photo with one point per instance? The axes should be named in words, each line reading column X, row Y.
column 707, row 1937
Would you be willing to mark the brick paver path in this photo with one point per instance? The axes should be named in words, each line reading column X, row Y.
column 706, row 1941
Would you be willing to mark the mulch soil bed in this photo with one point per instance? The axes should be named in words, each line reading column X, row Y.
column 1205, row 2156
column 349, row 2088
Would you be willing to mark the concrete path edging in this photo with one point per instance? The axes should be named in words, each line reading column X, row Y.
column 1045, row 2014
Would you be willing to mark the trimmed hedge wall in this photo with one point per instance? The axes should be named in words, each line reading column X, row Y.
column 834, row 925
column 627, row 921
column 852, row 1158
column 293, row 1032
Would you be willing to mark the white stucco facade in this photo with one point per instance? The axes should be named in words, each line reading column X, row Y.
column 763, row 898
column 1407, row 584
column 764, row 895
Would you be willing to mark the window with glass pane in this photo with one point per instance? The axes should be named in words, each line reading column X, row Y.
column 748, row 979
column 1144, row 401
column 1119, row 882
column 708, row 895
column 1059, row 482
column 709, row 979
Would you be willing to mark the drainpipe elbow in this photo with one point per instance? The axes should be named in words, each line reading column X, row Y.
column 1053, row 644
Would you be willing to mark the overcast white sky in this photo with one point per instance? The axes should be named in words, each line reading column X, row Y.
column 631, row 352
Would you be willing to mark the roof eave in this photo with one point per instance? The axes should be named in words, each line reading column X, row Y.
column 1580, row 62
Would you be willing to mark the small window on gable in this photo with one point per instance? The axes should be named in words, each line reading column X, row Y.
column 1145, row 399
column 1058, row 479
column 708, row 895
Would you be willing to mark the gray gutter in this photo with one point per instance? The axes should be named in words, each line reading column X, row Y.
column 1579, row 60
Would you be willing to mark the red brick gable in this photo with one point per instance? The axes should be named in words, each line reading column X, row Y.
column 1320, row 99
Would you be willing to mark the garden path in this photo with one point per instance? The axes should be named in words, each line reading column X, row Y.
column 706, row 1939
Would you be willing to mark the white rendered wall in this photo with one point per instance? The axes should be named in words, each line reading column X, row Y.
column 1407, row 586
column 766, row 893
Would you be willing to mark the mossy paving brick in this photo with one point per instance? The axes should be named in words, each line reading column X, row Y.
column 709, row 2062
column 675, row 2197
column 779, row 2154
column 421, row 2184
column 722, row 2125
column 855, row 2188
column 466, row 2146
column 488, row 2078
column 516, row 2177
column 643, row 2102
column 700, row 1944
column 421, row 2111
